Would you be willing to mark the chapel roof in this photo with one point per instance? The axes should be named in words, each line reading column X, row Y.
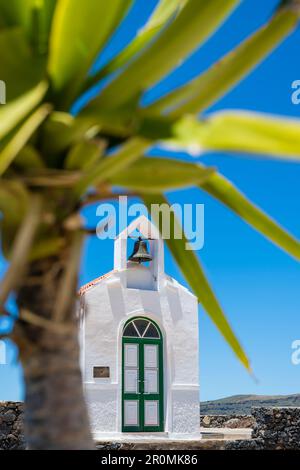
column 93, row 283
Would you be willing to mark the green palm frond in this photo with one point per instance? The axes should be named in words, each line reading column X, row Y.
column 21, row 137
column 172, row 174
column 157, row 175
column 76, row 26
column 47, row 51
column 206, row 89
column 195, row 276
column 12, row 113
column 33, row 16
column 196, row 21
column 163, row 12
column 236, row 132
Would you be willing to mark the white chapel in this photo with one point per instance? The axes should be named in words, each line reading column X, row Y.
column 139, row 344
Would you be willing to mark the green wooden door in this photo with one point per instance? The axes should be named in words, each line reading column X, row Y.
column 142, row 377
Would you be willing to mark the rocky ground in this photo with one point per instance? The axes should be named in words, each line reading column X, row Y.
column 227, row 421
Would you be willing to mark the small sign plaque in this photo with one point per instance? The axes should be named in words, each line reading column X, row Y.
column 101, row 372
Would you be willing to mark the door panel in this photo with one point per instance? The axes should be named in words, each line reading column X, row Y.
column 131, row 381
column 151, row 381
column 151, row 415
column 131, row 412
column 150, row 355
column 131, row 355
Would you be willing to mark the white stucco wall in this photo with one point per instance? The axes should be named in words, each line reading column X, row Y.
column 107, row 306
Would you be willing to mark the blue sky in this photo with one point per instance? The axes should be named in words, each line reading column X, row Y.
column 257, row 283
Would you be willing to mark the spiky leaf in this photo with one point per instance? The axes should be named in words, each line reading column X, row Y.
column 19, row 68
column 237, row 131
column 14, row 112
column 191, row 268
column 21, row 137
column 193, row 25
column 206, row 89
column 109, row 166
column 223, row 190
column 34, row 16
column 80, row 29
column 163, row 12
column 155, row 175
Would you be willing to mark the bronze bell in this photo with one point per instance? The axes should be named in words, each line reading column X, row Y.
column 140, row 253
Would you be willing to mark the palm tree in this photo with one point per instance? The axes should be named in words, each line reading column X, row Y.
column 52, row 163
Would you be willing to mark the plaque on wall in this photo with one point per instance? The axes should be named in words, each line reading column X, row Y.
column 101, row 372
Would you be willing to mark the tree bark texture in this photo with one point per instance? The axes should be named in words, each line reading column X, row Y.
column 55, row 411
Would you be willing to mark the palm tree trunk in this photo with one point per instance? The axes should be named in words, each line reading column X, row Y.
column 55, row 411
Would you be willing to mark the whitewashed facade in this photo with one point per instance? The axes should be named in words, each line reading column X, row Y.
column 140, row 378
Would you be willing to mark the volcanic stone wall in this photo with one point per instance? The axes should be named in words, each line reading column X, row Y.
column 11, row 425
column 273, row 428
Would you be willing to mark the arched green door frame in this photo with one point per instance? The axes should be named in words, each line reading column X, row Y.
column 140, row 396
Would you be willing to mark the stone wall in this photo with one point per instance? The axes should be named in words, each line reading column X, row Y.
column 11, row 425
column 274, row 429
column 227, row 421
